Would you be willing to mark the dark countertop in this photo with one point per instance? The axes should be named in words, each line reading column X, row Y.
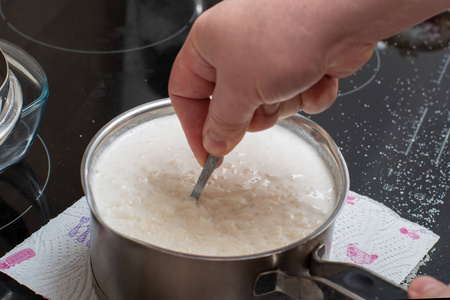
column 391, row 121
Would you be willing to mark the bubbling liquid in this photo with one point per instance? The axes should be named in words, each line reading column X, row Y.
column 272, row 190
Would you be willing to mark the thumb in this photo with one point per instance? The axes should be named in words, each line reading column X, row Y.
column 428, row 287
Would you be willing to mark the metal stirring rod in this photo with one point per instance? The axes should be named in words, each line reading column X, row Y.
column 210, row 165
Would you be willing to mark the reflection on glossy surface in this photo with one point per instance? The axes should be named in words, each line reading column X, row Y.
column 23, row 204
column 361, row 78
column 119, row 26
column 12, row 290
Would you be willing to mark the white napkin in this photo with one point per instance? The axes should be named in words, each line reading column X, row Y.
column 54, row 261
column 370, row 234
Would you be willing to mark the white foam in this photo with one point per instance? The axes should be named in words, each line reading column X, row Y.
column 272, row 190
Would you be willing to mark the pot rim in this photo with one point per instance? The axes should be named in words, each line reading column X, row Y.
column 105, row 132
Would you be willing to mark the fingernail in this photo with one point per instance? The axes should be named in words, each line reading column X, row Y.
column 214, row 144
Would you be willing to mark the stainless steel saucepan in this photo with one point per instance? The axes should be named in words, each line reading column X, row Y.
column 126, row 268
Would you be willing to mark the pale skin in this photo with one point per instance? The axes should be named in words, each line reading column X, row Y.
column 262, row 60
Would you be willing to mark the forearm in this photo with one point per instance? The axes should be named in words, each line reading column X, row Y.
column 350, row 26
column 369, row 21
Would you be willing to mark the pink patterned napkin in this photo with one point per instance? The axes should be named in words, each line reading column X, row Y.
column 54, row 261
column 370, row 234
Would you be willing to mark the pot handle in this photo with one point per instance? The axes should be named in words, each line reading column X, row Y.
column 329, row 280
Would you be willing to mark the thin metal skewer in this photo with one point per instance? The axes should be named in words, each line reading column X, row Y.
column 210, row 165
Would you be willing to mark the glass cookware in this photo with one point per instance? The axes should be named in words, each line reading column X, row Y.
column 19, row 123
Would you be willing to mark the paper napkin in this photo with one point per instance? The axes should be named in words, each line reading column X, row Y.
column 54, row 261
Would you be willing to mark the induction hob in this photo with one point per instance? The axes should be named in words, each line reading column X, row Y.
column 391, row 119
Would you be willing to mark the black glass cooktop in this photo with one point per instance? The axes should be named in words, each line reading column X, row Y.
column 391, row 120
column 392, row 124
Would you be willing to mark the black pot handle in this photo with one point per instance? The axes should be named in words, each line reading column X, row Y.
column 329, row 280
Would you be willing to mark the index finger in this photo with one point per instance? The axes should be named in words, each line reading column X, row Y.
column 191, row 83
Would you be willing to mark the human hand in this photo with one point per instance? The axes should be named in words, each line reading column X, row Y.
column 262, row 60
column 426, row 287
